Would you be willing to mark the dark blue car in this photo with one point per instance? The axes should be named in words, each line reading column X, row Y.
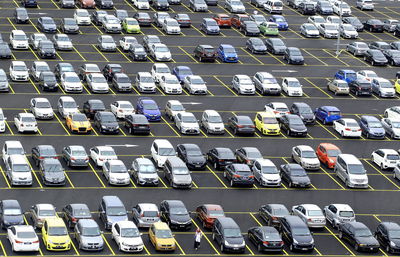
column 327, row 114
column 371, row 127
column 181, row 72
column 281, row 21
column 29, row 3
column 227, row 53
column 149, row 108
column 347, row 75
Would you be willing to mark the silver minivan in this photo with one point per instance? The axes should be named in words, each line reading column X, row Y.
column 144, row 172
column 177, row 173
column 351, row 171
column 18, row 171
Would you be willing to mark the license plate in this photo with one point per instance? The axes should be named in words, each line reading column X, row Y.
column 304, row 249
column 236, row 248
column 371, row 248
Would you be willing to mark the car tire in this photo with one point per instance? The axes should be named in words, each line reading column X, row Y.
column 291, row 247
column 334, row 225
column 213, row 236
column 356, row 247
column 203, row 224
column 224, row 174
column 372, row 63
column 290, row 184
column 367, row 135
column 340, row 234
column 222, row 248
column 130, row 130
column 381, row 166
column 259, row 247
column 215, row 166
column 231, row 183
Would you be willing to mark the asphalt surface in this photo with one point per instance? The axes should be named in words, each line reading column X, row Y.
column 87, row 185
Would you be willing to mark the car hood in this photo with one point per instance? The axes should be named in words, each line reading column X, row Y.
column 148, row 175
column 307, row 116
column 100, row 84
column 118, row 175
column 196, row 159
column 50, row 26
column 301, row 179
column 54, row 175
column 387, row 90
column 235, row 240
column 71, row 26
column 191, row 125
column 304, row 239
column 21, row 175
column 367, row 240
column 271, row 176
column 109, row 124
column 59, row 239
column 131, row 240
column 14, row 219
column 260, row 47
column 20, row 72
column 92, row 239
column 297, row 57
column 311, row 160
column 152, row 112
column 180, row 218
column 376, row 130
column 313, row 31
column 299, row 127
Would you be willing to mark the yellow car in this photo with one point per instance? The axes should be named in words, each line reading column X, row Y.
column 55, row 235
column 266, row 123
column 397, row 86
column 78, row 123
column 161, row 237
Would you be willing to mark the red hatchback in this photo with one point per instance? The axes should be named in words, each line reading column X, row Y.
column 223, row 20
column 327, row 154
column 207, row 213
column 237, row 19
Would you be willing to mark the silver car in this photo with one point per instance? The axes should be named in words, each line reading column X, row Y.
column 339, row 213
column 198, row 5
column 392, row 127
column 145, row 214
column 144, row 172
column 106, row 43
column 75, row 156
column 35, row 38
column 357, row 48
column 88, row 235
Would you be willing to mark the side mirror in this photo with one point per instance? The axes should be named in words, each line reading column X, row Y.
column 103, row 212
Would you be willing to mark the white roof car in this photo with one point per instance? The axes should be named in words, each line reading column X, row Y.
column 311, row 214
column 212, row 122
column 385, row 158
column 70, row 82
column 339, row 213
column 25, row 122
column 158, row 70
column 127, row 236
column 160, row 52
column 116, row 172
column 393, row 112
column 347, row 127
column 316, row 20
column 366, row 74
column 243, row 84
column 348, row 31
column 145, row 82
column 41, row 108
column 187, row 123
column 66, row 105
column 292, row 87
column 333, row 19
column 171, row 26
column 328, row 30
column 173, row 107
column 145, row 214
column 101, row 154
column 170, row 84
column 278, row 108
column 306, row 157
column 122, row 108
column 35, row 38
column 18, row 39
column 62, row 42
column 12, row 147
column 383, row 87
column 309, row 30
column 392, row 127
column 82, row 17
column 18, row 71
column 97, row 83
column 23, row 238
column 266, row 173
column 195, row 85
column 21, row 175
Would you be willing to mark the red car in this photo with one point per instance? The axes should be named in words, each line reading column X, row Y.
column 237, row 19
column 207, row 213
column 327, row 154
column 223, row 20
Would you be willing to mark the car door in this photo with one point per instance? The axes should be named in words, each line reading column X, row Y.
column 296, row 155
column 378, row 157
column 302, row 213
column 44, row 232
column 257, row 170
column 94, row 153
column 106, row 170
column 330, row 212
column 17, row 121
column 117, row 233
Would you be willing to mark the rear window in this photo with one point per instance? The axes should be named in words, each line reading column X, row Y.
column 150, row 213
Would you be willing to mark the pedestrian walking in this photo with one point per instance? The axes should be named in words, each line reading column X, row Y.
column 197, row 239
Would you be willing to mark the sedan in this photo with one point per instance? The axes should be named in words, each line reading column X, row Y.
column 137, row 124
column 373, row 25
column 357, row 48
column 72, row 213
column 266, row 239
column 347, row 127
column 207, row 213
column 359, row 235
column 210, row 26
column 42, row 152
column 338, row 86
column 375, row 57
column 348, row 31
column 187, row 123
column 23, row 238
column 97, row 83
column 121, row 82
column 106, row 43
column 75, row 156
column 249, row 28
column 47, row 25
column 241, row 125
column 292, row 55
column 69, row 25
column 328, row 30
column 393, row 56
column 248, row 155
column 195, row 85
column 309, row 30
column 293, row 125
column 192, row 156
column 272, row 213
column 256, row 46
column 294, row 175
column 275, row 46
column 175, row 214
column 62, row 42
column 243, row 84
column 183, row 19
column 311, row 214
column 387, row 234
column 106, row 122
column 5, row 51
column 220, row 157
column 355, row 22
column 160, row 52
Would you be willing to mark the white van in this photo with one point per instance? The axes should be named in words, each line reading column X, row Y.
column 161, row 149
column 274, row 6
column 351, row 171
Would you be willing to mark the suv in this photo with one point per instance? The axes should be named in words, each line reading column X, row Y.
column 205, row 53
column 160, row 150
column 111, row 210
column 177, row 173
column 228, row 236
column 351, row 171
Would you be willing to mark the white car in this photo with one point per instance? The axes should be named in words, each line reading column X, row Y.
column 385, row 158
column 11, row 147
column 396, row 172
column 243, row 85
column 266, row 83
column 37, row 68
column 2, row 121
column 122, row 109
column 316, row 20
column 278, row 108
column 266, row 173
column 235, row 6
column 212, row 122
column 171, row 26
column 41, row 108
column 170, row 84
column 101, row 154
column 365, row 5
column 62, row 42
column 35, row 38
column 18, row 39
column 160, row 52
column 23, row 238
column 18, row 71
column 366, row 74
column 141, row 4
column 393, row 112
column 339, row 213
column 145, row 82
column 82, row 17
column 173, row 107
column 25, row 122
column 383, row 87
column 341, row 8
column 71, row 83
column 328, row 30
column 306, row 157
column 347, row 127
column 348, row 31
column 309, row 30
column 158, row 70
column 292, row 87
column 195, row 85
column 126, row 42
column 66, row 105
column 116, row 173
column 333, row 19
column 97, row 83
column 127, row 236
column 158, row 18
column 187, row 123
column 311, row 214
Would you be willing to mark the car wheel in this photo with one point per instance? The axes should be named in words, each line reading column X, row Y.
column 291, row 247
column 231, row 183
column 382, row 168
column 215, row 166
column 372, row 63
column 222, row 248
column 259, row 247
column 324, row 122
column 290, row 184
column 388, row 249
column 204, row 224
column 200, row 59
column 367, row 135
column 370, row 29
column 334, row 225
column 70, row 225
column 340, row 234
column 130, row 130
column 213, row 236
column 356, row 247
column 224, row 174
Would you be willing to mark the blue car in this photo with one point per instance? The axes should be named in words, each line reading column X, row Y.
column 327, row 114
column 149, row 108
column 346, row 75
column 281, row 21
column 227, row 53
column 181, row 72
column 371, row 127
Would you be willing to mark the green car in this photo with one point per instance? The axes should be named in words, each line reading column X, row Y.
column 269, row 28
column 131, row 25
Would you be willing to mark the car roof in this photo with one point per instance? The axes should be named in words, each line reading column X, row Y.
column 88, row 223
column 242, row 76
column 227, row 222
column 369, row 118
column 24, row 228
column 161, row 225
column 342, row 207
column 241, row 166
column 305, row 148
column 55, row 222
column 358, row 225
column 389, row 151
column 191, row 146
column 13, row 143
column 51, row 161
column 311, row 206
column 79, row 206
column 391, row 225
column 265, row 162
column 175, row 203
column 116, row 162
column 330, row 108
column 126, row 224
column 105, row 148
column 329, row 146
column 349, row 158
column 212, row 112
column 45, row 206
column 214, row 207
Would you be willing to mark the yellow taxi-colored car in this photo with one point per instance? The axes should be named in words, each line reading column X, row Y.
column 397, row 86
column 55, row 235
column 266, row 123
column 161, row 237
column 78, row 123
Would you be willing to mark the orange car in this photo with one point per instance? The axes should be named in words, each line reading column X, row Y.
column 79, row 123
column 237, row 19
column 87, row 3
column 223, row 20
column 327, row 154
column 207, row 213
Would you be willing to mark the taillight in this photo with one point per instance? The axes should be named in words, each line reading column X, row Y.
column 56, row 157
column 74, row 219
column 18, row 242
column 252, row 126
column 41, row 158
column 120, row 110
column 276, row 112
column 73, row 158
column 142, row 215
column 274, row 218
column 281, row 243
column 236, row 176
column 221, row 160
column 251, row 176
column 248, row 161
column 240, row 126
column 347, row 129
column 35, row 242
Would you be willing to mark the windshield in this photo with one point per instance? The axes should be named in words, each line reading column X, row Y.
column 181, row 171
column 98, row 79
column 72, row 79
column 197, row 81
column 189, row 119
column 116, row 211
column 118, row 168
column 280, row 211
column 130, row 232
column 254, row 154
column 232, row 232
column 346, row 214
column 271, row 236
column 295, row 121
column 393, row 157
column 147, row 168
column 272, row 26
column 108, row 118
column 386, row 84
column 374, row 124
column 82, row 212
column 394, row 234
column 13, row 211
column 260, row 18
column 43, row 105
column 293, row 84
column 270, row 120
column 48, row 213
column 300, row 231
column 177, row 107
column 348, row 27
column 216, row 213
column 163, row 233
column 330, row 27
column 49, row 78
column 269, row 170
column 78, row 153
column 194, row 153
column 107, row 153
column 69, row 22
column 214, row 119
column 308, row 154
column 395, row 53
column 150, row 106
column 236, row 3
column 107, row 40
column 113, row 21
column 26, row 234
column 395, row 124
column 363, row 233
column 82, row 13
column 53, row 168
column 20, row 68
column 252, row 25
column 356, row 169
column 298, row 173
column 70, row 104
column 90, row 231
column 295, row 52
column 315, row 213
column 132, row 22
column 57, row 231
column 19, row 37
column 28, row 119
column 179, row 211
column 162, row 49
column 319, row 20
column 146, row 79
column 171, row 80
column 166, row 151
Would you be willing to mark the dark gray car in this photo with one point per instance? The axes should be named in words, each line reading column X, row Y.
column 88, row 235
column 4, row 85
column 75, row 156
column 121, row 82
column 21, row 15
column 46, row 49
column 75, row 212
column 47, row 81
column 69, row 25
column 294, row 175
column 52, row 172
column 10, row 213
column 275, row 46
column 304, row 111
column 293, row 125
column 47, row 25
column 67, row 3
column 5, row 51
column 273, row 213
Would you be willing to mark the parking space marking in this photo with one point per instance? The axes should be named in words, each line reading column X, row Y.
column 37, row 58
column 248, row 248
column 124, row 55
column 219, row 179
column 105, row 58
column 380, row 172
column 12, row 24
column 2, row 248
column 62, row 125
column 251, row 55
column 34, row 173
column 319, row 59
column 340, row 241
column 94, row 25
column 179, row 246
column 330, row 54
column 8, row 126
column 108, row 245
column 95, row 173
column 191, row 56
column 206, row 237
column 327, row 130
column 5, row 177
column 226, row 86
column 169, row 125
column 329, row 175
column 83, row 58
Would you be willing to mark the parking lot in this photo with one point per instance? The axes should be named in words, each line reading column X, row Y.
column 372, row 205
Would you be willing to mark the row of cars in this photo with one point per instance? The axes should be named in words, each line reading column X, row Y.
column 292, row 228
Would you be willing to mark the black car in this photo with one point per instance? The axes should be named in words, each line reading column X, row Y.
column 239, row 174
column 358, row 235
column 121, row 82
column 273, row 213
column 104, row 4
column 46, row 49
column 265, row 239
column 21, row 15
column 66, row 3
column 106, row 122
column 226, row 233
column 97, row 16
column 220, row 157
column 373, row 25
column 375, row 57
column 294, row 175
column 396, row 31
column 111, row 69
column 137, row 124
column 292, row 55
column 52, row 172
column 62, row 67
column 249, row 28
column 304, row 111
column 29, row 3
column 160, row 5
column 192, row 156
column 241, row 124
column 5, row 51
column 47, row 81
column 175, row 214
column 209, row 26
column 41, row 152
column 296, row 234
column 275, row 46
column 307, row 8
column 256, row 46
column 137, row 52
column 388, row 236
column 293, row 125
column 72, row 213
column 183, row 19
column 46, row 25
column 393, row 56
column 10, row 213
column 355, row 22
column 143, row 18
column 205, row 53
column 69, row 26
column 90, row 107
column 247, row 155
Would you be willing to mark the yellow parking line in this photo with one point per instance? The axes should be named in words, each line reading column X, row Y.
column 8, row 126
column 70, row 182
column 340, row 185
column 2, row 248
column 248, row 248
column 123, row 133
column 162, row 181
column 227, row 130
column 380, row 172
column 33, row 84
column 62, row 125
column 169, row 125
column 205, row 236
column 204, row 134
column 73, row 246
column 94, row 25
column 161, row 32
column 315, row 57
column 34, row 173
column 180, row 248
column 191, row 57
column 108, row 245
column 12, row 90
column 105, row 58
column 382, row 252
column 33, row 52
column 255, row 219
column 133, row 183
column 219, row 179
column 276, row 58
column 326, row 51
column 376, row 217
column 255, row 58
column 59, row 57
column 55, row 4
column 5, row 177
column 129, row 60
column 327, row 130
column 12, row 24
column 34, row 24
column 95, row 173
column 194, row 184
column 79, row 54
column 220, row 81
column 319, row 253
column 202, row 34
column 320, row 89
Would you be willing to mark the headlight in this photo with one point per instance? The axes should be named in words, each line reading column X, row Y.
column 362, row 245
column 295, row 241
column 312, row 241
column 48, row 240
column 125, row 244
column 103, row 127
column 226, row 243
column 392, row 244
column 68, row 241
